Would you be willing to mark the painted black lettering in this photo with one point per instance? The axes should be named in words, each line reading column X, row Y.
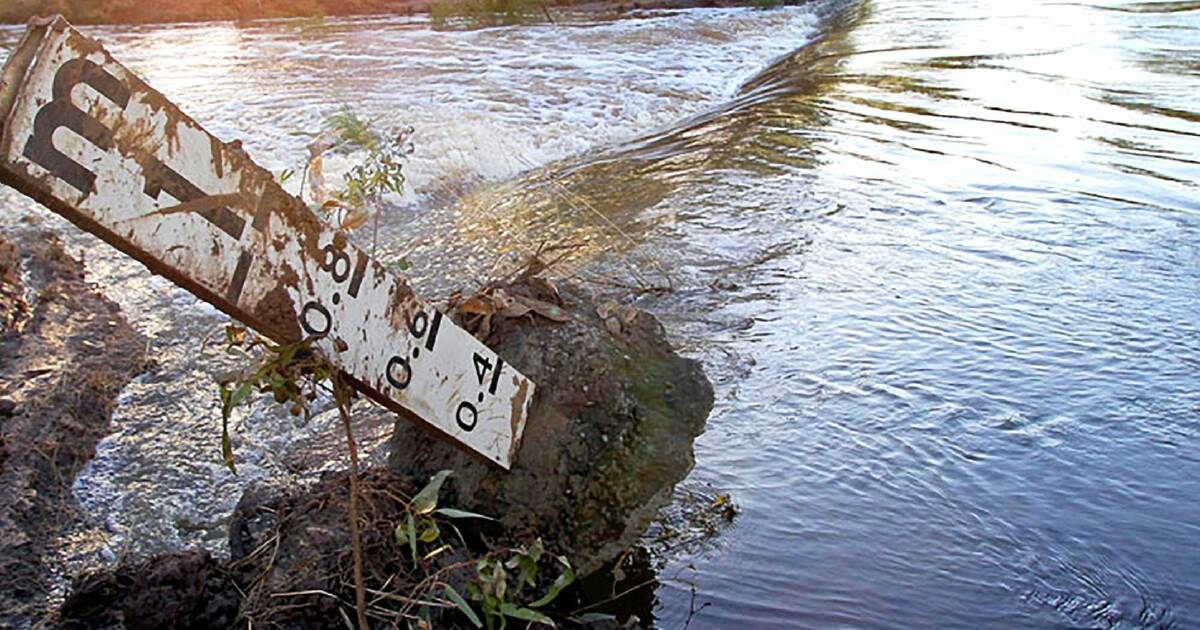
column 433, row 330
column 160, row 177
column 396, row 380
column 418, row 324
column 496, row 375
column 360, row 269
column 464, row 423
column 61, row 112
column 336, row 262
column 316, row 329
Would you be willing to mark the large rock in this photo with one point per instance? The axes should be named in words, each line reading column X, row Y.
column 609, row 433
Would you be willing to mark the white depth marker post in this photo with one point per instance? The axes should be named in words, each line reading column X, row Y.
column 82, row 135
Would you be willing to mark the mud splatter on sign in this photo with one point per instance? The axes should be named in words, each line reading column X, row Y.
column 88, row 139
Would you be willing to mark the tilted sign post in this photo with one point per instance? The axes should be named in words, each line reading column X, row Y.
column 88, row 139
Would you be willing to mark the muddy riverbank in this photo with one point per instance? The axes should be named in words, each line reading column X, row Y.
column 609, row 440
column 65, row 353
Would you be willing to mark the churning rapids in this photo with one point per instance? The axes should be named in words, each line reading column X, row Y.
column 940, row 257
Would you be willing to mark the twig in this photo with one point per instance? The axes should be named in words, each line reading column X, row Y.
column 360, row 591
column 692, row 610
column 375, row 230
column 614, row 597
column 303, row 593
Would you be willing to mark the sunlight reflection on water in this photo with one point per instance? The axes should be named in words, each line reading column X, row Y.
column 943, row 266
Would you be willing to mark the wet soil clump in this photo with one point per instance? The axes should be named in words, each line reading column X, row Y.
column 188, row 591
column 609, row 433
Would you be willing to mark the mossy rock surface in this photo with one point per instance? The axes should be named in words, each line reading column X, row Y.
column 609, row 434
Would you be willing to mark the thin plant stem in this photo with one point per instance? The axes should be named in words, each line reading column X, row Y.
column 360, row 591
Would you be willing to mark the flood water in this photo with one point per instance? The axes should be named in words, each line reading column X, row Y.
column 941, row 259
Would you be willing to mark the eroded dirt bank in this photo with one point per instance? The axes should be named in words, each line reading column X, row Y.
column 65, row 353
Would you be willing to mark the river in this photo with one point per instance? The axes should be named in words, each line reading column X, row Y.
column 941, row 259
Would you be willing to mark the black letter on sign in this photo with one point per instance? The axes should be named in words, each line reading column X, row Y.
column 61, row 112
column 160, row 177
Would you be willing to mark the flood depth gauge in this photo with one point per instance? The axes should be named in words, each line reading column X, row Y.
column 86, row 138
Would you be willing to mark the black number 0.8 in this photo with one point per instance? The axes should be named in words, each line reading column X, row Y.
column 336, row 262
column 311, row 311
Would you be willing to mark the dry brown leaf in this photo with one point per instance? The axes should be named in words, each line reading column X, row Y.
column 355, row 219
column 546, row 287
column 485, row 328
column 477, row 305
column 516, row 309
column 627, row 314
column 316, row 177
column 500, row 299
column 608, row 308
column 545, row 309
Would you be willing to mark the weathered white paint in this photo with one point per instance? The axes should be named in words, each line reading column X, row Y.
column 96, row 144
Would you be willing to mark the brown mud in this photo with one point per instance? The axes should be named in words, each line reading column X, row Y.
column 65, row 353
column 186, row 591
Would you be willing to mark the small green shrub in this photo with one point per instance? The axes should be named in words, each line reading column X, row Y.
column 506, row 583
column 480, row 13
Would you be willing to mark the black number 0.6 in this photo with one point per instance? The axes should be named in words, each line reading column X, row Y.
column 399, row 372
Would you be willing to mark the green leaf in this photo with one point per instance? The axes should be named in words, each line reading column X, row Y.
column 463, row 606
column 563, row 581
column 287, row 353
column 412, row 537
column 226, row 442
column 499, row 580
column 536, row 550
column 591, row 617
column 525, row 614
column 402, row 534
column 426, row 499
column 241, row 394
column 227, row 447
column 529, row 570
column 436, row 552
column 453, row 513
column 430, row 533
